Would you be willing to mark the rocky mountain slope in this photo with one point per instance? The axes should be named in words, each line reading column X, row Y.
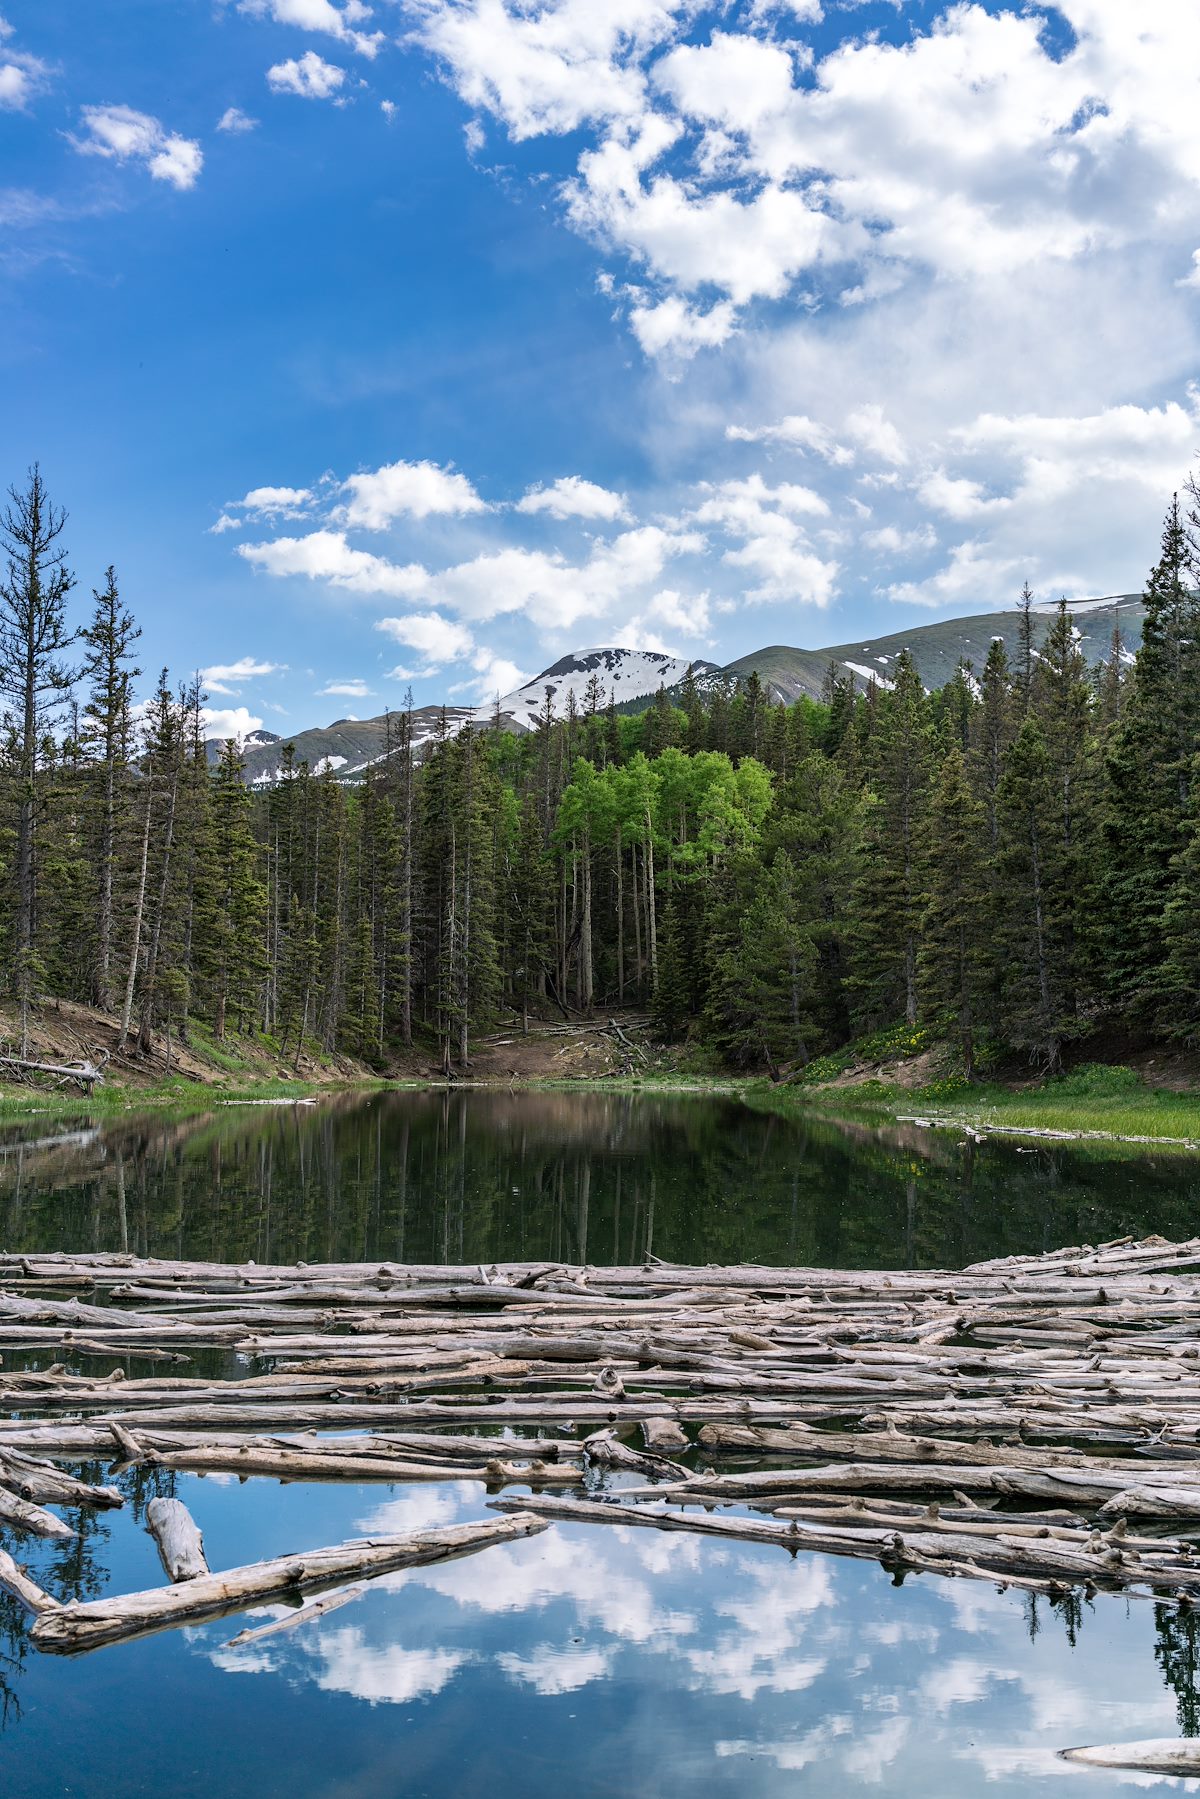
column 939, row 648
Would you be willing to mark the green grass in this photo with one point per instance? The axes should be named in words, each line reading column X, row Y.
column 180, row 1096
column 220, row 1054
column 1095, row 1100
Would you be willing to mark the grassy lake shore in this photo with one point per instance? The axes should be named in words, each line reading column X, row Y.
column 1099, row 1104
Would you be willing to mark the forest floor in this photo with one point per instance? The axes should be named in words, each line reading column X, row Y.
column 611, row 1050
column 65, row 1033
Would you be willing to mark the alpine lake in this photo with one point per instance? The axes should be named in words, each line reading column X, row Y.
column 588, row 1659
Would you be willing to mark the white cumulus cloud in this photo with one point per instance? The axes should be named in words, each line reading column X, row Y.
column 227, row 677
column 432, row 636
column 327, row 556
column 309, row 75
column 573, row 497
column 338, row 22
column 407, row 489
column 232, row 721
column 235, row 121
column 350, row 690
column 123, row 135
column 22, row 76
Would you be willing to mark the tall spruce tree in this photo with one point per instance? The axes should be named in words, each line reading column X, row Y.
column 1149, row 775
column 760, row 1002
column 34, row 681
column 1035, row 902
column 231, row 921
column 889, row 896
column 954, row 961
column 107, row 730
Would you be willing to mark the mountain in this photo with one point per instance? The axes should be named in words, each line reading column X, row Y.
column 346, row 748
column 937, row 649
column 349, row 746
column 625, row 674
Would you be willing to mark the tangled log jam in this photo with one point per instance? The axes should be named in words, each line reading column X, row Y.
column 1032, row 1420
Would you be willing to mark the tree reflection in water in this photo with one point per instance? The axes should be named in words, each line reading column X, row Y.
column 486, row 1176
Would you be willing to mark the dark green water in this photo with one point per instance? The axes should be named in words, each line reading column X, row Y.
column 481, row 1176
column 604, row 1661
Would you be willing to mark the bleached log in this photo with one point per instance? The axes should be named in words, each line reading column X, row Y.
column 23, row 1515
column 663, row 1433
column 283, row 1463
column 604, row 1449
column 14, row 1580
column 38, row 1480
column 69, row 1629
column 316, row 1608
column 178, row 1539
column 85, row 1073
column 1153, row 1755
column 1078, row 1485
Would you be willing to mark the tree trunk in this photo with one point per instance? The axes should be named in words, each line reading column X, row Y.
column 138, row 914
column 651, row 921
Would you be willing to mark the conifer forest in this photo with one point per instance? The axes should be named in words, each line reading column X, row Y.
column 1011, row 863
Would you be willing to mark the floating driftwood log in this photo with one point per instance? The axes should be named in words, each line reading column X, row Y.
column 180, row 1545
column 67, row 1629
column 1018, row 1420
column 1154, row 1755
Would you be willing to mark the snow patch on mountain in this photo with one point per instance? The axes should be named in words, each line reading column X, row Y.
column 870, row 674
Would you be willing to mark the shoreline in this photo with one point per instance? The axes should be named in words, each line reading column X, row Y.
column 1158, row 1118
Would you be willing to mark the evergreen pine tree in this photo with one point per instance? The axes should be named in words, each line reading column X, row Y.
column 1035, row 901
column 889, row 895
column 954, row 963
column 231, row 911
column 110, row 672
column 34, row 637
column 1149, row 773
column 761, row 992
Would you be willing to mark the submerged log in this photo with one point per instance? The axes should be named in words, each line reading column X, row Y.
column 69, row 1629
column 604, row 1449
column 180, row 1545
column 663, row 1433
column 316, row 1608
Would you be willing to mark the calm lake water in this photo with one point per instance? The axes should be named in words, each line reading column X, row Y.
column 613, row 1661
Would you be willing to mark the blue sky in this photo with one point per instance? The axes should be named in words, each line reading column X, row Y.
column 427, row 339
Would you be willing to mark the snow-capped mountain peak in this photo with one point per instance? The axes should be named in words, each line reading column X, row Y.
column 619, row 674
